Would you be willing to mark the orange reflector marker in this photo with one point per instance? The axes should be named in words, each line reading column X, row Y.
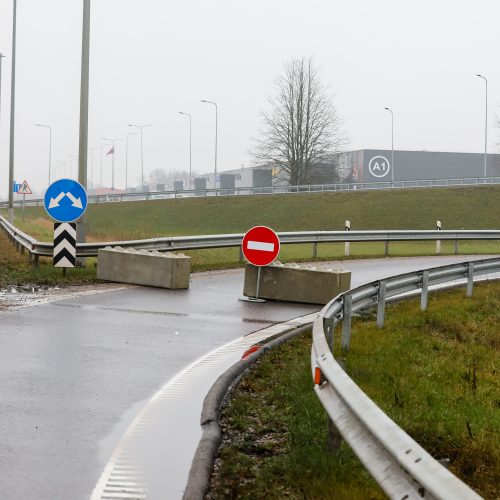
column 317, row 376
column 250, row 350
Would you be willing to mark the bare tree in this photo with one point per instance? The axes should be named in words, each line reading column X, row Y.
column 302, row 131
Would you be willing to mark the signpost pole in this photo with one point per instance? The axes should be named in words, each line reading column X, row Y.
column 258, row 283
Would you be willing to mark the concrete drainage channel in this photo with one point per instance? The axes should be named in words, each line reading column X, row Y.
column 154, row 457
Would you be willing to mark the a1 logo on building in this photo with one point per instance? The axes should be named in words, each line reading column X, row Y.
column 379, row 166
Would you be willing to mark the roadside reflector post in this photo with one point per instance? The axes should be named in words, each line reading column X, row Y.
column 425, row 290
column 346, row 323
column 470, row 279
column 381, row 304
column 438, row 242
column 347, row 243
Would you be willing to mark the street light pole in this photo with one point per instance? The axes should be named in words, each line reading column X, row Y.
column 392, row 143
column 12, row 113
column 81, row 231
column 140, row 127
column 126, row 160
column 485, row 125
column 216, row 127
column 1, row 57
column 50, row 144
column 190, row 146
column 91, row 151
column 113, row 160
column 102, row 145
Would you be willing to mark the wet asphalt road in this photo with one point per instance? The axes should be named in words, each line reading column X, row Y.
column 71, row 371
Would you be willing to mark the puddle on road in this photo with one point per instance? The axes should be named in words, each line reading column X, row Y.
column 19, row 297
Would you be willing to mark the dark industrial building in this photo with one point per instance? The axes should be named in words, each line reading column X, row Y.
column 375, row 165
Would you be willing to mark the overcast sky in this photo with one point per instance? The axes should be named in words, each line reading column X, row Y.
column 153, row 58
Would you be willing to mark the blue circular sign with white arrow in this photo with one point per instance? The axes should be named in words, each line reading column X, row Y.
column 65, row 200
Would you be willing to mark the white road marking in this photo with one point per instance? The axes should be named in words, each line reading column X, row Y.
column 260, row 245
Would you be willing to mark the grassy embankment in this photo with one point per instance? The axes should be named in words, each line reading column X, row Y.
column 444, row 391
column 468, row 208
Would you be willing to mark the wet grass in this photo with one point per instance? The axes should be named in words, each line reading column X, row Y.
column 443, row 390
column 275, row 437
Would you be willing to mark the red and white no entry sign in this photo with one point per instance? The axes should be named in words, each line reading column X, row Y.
column 260, row 246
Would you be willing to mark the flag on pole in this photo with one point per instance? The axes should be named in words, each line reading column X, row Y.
column 111, row 151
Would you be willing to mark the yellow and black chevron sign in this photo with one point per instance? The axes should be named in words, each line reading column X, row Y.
column 64, row 244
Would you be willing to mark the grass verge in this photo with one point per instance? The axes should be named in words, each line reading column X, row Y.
column 472, row 208
column 444, row 391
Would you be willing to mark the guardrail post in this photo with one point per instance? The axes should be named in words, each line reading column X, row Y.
column 334, row 438
column 347, row 243
column 470, row 279
column 241, row 254
column 315, row 250
column 37, row 262
column 456, row 247
column 381, row 304
column 386, row 247
column 30, row 257
column 425, row 290
column 346, row 323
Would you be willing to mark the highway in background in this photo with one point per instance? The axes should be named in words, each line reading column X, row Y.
column 74, row 373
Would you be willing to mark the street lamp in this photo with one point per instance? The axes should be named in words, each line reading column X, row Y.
column 190, row 148
column 91, row 151
column 1, row 57
column 216, row 126
column 50, row 143
column 113, row 161
column 392, row 143
column 485, row 123
column 140, row 127
column 12, row 112
column 102, row 145
column 126, row 160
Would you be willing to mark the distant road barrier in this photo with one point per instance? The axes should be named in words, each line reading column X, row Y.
column 402, row 468
column 36, row 248
column 276, row 190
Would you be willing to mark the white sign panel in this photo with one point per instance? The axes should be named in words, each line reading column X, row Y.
column 379, row 166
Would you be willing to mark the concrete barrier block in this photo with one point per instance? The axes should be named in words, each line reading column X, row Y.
column 295, row 283
column 142, row 267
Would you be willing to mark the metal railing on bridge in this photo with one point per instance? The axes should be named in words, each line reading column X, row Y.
column 278, row 190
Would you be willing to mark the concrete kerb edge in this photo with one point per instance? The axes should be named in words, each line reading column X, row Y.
column 204, row 458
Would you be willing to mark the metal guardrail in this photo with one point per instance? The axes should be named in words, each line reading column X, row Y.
column 276, row 190
column 173, row 243
column 401, row 466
